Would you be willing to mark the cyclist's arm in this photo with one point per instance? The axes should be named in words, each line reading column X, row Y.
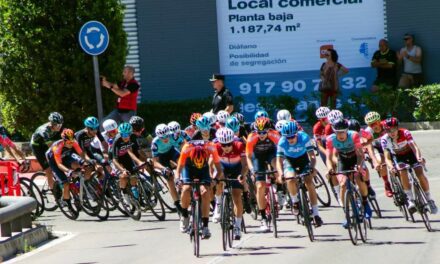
column 388, row 158
column 244, row 168
column 280, row 161
column 157, row 164
column 370, row 151
column 321, row 147
column 133, row 157
column 412, row 144
column 329, row 155
column 312, row 158
column 249, row 151
column 118, row 165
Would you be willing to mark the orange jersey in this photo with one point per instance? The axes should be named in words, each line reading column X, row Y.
column 209, row 147
column 59, row 151
column 262, row 146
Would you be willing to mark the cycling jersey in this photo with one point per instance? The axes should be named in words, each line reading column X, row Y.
column 158, row 146
column 6, row 142
column 376, row 138
column 85, row 141
column 120, row 148
column 180, row 138
column 319, row 131
column 198, row 135
column 328, row 130
column 190, row 171
column 140, row 143
column 301, row 147
column 44, row 135
column 344, row 148
column 257, row 146
column 58, row 151
column 401, row 145
column 231, row 162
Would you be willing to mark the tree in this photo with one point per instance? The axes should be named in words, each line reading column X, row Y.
column 42, row 67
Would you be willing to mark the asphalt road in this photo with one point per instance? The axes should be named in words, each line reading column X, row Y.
column 121, row 240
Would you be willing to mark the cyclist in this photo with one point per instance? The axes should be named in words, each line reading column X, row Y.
column 204, row 130
column 222, row 116
column 179, row 136
column 347, row 145
column 233, row 124
column 124, row 160
column 165, row 156
column 260, row 152
column 43, row 138
column 64, row 156
column 373, row 120
column 399, row 147
column 10, row 147
column 191, row 129
column 319, row 129
column 140, row 139
column 212, row 118
column 295, row 154
column 233, row 160
column 110, row 131
column 193, row 163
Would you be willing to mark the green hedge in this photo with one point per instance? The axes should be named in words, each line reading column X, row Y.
column 428, row 102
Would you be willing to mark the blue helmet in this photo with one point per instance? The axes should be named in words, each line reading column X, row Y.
column 91, row 122
column 125, row 129
column 289, row 129
column 203, row 123
column 233, row 124
column 261, row 113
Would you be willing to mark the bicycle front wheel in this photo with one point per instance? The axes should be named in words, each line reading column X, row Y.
column 422, row 203
column 196, row 223
column 273, row 211
column 225, row 221
column 29, row 188
column 351, row 213
column 322, row 190
column 40, row 180
column 306, row 214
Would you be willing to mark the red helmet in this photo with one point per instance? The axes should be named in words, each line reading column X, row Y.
column 262, row 123
column 198, row 156
column 67, row 134
column 194, row 117
column 390, row 123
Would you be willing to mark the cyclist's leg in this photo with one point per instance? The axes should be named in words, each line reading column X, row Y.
column 259, row 165
column 185, row 196
column 205, row 191
column 40, row 154
column 291, row 183
column 61, row 178
column 165, row 161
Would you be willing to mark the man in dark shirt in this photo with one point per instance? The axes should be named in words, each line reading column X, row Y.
column 385, row 60
column 222, row 99
column 127, row 91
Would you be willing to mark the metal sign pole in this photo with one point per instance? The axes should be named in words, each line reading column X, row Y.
column 98, row 88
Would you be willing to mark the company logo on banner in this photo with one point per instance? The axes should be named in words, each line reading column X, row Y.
column 270, row 47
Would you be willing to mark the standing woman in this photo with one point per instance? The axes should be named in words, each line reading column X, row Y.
column 331, row 70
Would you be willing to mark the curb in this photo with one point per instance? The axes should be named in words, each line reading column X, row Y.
column 16, row 244
column 421, row 125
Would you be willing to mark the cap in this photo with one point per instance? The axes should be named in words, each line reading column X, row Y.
column 217, row 76
column 408, row 35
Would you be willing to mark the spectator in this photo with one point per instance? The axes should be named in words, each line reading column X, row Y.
column 384, row 60
column 127, row 91
column 330, row 72
column 222, row 99
column 411, row 55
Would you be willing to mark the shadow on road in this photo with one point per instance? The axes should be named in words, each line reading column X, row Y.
column 396, row 227
column 149, row 229
column 119, row 246
column 239, row 254
column 380, row 243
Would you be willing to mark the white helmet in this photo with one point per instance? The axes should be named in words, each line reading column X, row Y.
column 322, row 112
column 334, row 115
column 109, row 125
column 279, row 125
column 162, row 130
column 225, row 135
column 284, row 114
column 174, row 127
column 222, row 116
column 211, row 117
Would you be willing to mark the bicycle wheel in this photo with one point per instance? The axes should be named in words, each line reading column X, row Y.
column 273, row 211
column 103, row 204
column 376, row 208
column 90, row 198
column 351, row 213
column 252, row 198
column 225, row 225
column 421, row 204
column 322, row 190
column 161, row 185
column 243, row 226
column 131, row 206
column 305, row 208
column 72, row 211
column 28, row 188
column 362, row 222
column 40, row 180
column 196, row 227
column 151, row 199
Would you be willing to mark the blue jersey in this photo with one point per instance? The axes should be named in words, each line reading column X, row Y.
column 344, row 147
column 159, row 147
column 179, row 138
column 302, row 146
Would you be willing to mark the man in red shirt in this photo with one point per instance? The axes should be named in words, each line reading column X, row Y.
column 127, row 91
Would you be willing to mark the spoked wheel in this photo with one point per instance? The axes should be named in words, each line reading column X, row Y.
column 350, row 208
column 226, row 223
column 375, row 205
column 243, row 226
column 306, row 214
column 41, row 182
column 196, row 223
column 29, row 188
column 90, row 198
column 422, row 203
column 322, row 190
column 151, row 200
column 72, row 211
column 273, row 211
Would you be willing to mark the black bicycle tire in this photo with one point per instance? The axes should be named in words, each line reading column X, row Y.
column 421, row 202
column 159, row 180
column 306, row 214
column 376, row 207
column 225, row 221
column 88, row 208
column 196, row 228
column 349, row 207
column 72, row 214
column 147, row 199
column 34, row 193
column 231, row 221
column 273, row 212
column 45, row 193
column 362, row 222
column 133, row 209
column 319, row 179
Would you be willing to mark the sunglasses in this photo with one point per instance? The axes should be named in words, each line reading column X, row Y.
column 114, row 131
column 226, row 145
column 262, row 132
column 164, row 136
column 291, row 137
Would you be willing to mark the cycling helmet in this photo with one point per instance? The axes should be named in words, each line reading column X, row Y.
column 261, row 113
column 109, row 125
column 198, row 156
column 284, row 115
column 91, row 122
column 261, row 124
column 222, row 116
column 372, row 117
column 68, row 134
column 56, row 118
column 194, row 117
column 174, row 127
column 340, row 125
column 239, row 117
column 211, row 116
column 203, row 123
column 125, row 129
column 137, row 123
column 334, row 115
column 162, row 130
column 233, row 123
column 225, row 135
column 354, row 125
column 279, row 125
column 289, row 129
column 322, row 112
column 390, row 123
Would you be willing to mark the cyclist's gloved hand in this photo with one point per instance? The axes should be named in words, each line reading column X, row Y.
column 69, row 173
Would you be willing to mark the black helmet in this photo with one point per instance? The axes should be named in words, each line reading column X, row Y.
column 340, row 125
column 137, row 123
column 56, row 118
column 354, row 125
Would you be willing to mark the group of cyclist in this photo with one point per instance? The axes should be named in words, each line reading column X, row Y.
column 218, row 146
